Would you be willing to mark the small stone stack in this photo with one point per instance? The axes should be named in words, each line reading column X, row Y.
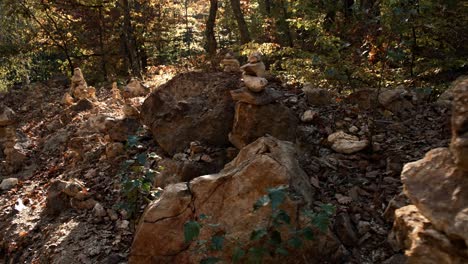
column 256, row 112
column 254, row 73
column 434, row 229
column 230, row 64
column 80, row 95
column 79, row 89
column 14, row 153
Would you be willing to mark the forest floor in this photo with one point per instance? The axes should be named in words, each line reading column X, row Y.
column 360, row 185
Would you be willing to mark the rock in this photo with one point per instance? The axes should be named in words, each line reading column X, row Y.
column 79, row 89
column 353, row 129
column 230, row 64
column 396, row 100
column 422, row 242
column 7, row 116
column 227, row 198
column 130, row 111
column 82, row 105
column 439, row 190
column 182, row 171
column 365, row 99
column 116, row 95
column 396, row 259
column 124, row 224
column 345, row 230
column 61, row 192
column 308, row 116
column 255, row 84
column 363, row 227
column 267, row 96
column 114, row 149
column 15, row 155
column 345, row 143
column 97, row 123
column 8, row 184
column 99, row 210
column 398, row 201
column 459, row 142
column 56, row 142
column 120, row 129
column 83, row 205
column 317, row 96
column 192, row 106
column 254, row 121
column 134, row 88
column 255, row 66
column 447, row 96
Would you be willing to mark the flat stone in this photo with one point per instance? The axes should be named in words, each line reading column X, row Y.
column 264, row 97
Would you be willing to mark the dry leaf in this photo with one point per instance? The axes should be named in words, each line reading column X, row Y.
column 342, row 199
column 315, row 182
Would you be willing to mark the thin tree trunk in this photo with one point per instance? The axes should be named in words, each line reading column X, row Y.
column 130, row 41
column 287, row 29
column 211, row 44
column 243, row 29
column 101, row 45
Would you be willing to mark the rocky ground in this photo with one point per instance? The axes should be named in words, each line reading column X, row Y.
column 91, row 142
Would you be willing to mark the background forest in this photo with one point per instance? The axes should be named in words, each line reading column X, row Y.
column 335, row 44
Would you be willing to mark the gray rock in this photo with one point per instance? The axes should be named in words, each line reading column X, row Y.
column 9, row 183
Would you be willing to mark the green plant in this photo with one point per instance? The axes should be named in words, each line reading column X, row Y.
column 137, row 178
column 278, row 237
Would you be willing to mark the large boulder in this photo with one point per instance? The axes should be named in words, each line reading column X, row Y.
column 255, row 121
column 396, row 100
column 317, row 96
column 191, row 107
column 422, row 242
column 447, row 96
column 440, row 191
column 227, row 198
column 459, row 143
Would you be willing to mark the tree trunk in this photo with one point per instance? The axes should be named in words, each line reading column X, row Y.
column 210, row 24
column 101, row 44
column 244, row 31
column 285, row 23
column 130, row 41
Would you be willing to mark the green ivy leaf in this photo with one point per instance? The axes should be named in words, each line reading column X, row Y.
column 203, row 216
column 256, row 254
column 210, row 260
column 281, row 251
column 153, row 155
column 328, row 209
column 262, row 201
column 258, row 234
column 308, row 233
column 295, row 242
column 275, row 238
column 141, row 158
column 238, row 254
column 281, row 217
column 217, row 242
column 132, row 141
column 321, row 221
column 277, row 196
column 191, row 231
